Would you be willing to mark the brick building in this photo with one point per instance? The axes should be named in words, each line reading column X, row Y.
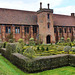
column 26, row 24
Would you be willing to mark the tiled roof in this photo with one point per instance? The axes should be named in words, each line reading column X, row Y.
column 11, row 16
column 63, row 20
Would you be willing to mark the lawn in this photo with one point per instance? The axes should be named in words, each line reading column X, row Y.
column 6, row 68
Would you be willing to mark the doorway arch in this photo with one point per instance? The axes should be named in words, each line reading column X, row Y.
column 48, row 39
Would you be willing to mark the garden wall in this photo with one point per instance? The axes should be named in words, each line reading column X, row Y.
column 40, row 63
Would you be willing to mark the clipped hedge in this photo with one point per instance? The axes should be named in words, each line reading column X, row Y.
column 72, row 60
column 40, row 63
column 1, row 44
column 48, row 62
column 10, row 48
column 37, row 64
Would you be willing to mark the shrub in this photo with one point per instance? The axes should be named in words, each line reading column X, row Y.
column 5, row 43
column 20, row 40
column 0, row 40
column 42, row 48
column 74, row 41
column 11, row 47
column 47, row 49
column 62, row 40
column 11, row 40
column 68, row 40
column 31, row 39
column 19, row 48
column 38, row 48
column 29, row 52
column 67, row 49
column 31, row 42
column 1, row 44
column 73, row 49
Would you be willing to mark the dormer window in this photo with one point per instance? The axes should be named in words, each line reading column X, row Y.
column 48, row 16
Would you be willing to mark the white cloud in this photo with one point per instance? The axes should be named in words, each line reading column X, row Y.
column 33, row 6
column 65, row 10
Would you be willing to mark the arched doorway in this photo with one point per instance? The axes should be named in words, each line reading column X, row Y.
column 48, row 39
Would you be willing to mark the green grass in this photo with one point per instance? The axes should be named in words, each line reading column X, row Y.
column 6, row 68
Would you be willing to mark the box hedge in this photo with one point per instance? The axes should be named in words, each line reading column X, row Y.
column 40, row 63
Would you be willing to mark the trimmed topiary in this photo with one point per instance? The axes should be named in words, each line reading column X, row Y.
column 42, row 48
column 20, row 40
column 19, row 48
column 67, row 49
column 47, row 49
column 5, row 43
column 31, row 39
column 31, row 42
column 11, row 40
column 29, row 52
column 68, row 40
column 11, row 48
column 38, row 48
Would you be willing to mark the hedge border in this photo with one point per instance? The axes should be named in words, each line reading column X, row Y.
column 40, row 63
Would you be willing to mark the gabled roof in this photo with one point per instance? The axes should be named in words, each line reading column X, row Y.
column 11, row 16
column 63, row 20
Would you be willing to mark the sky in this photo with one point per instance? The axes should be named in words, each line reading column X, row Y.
column 65, row 7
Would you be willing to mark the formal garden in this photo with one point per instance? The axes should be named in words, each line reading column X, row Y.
column 35, row 56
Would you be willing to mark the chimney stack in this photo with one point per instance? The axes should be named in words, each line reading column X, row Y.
column 48, row 5
column 73, row 14
column 40, row 5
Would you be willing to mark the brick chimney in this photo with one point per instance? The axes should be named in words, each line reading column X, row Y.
column 40, row 5
column 48, row 5
column 73, row 14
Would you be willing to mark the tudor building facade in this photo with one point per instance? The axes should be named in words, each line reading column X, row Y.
column 29, row 24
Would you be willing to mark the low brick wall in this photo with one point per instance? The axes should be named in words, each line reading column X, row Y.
column 40, row 63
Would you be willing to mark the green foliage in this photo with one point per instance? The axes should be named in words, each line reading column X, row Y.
column 20, row 40
column 1, row 44
column 5, row 43
column 19, row 48
column 62, row 40
column 29, row 52
column 73, row 49
column 42, row 48
column 0, row 40
column 11, row 48
column 60, row 48
column 38, row 48
column 11, row 40
column 47, row 49
column 68, row 40
column 31, row 39
column 31, row 42
column 74, row 41
column 67, row 49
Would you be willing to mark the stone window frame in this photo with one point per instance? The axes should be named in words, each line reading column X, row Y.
column 8, row 29
column 26, row 29
column 34, row 29
column 17, row 29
